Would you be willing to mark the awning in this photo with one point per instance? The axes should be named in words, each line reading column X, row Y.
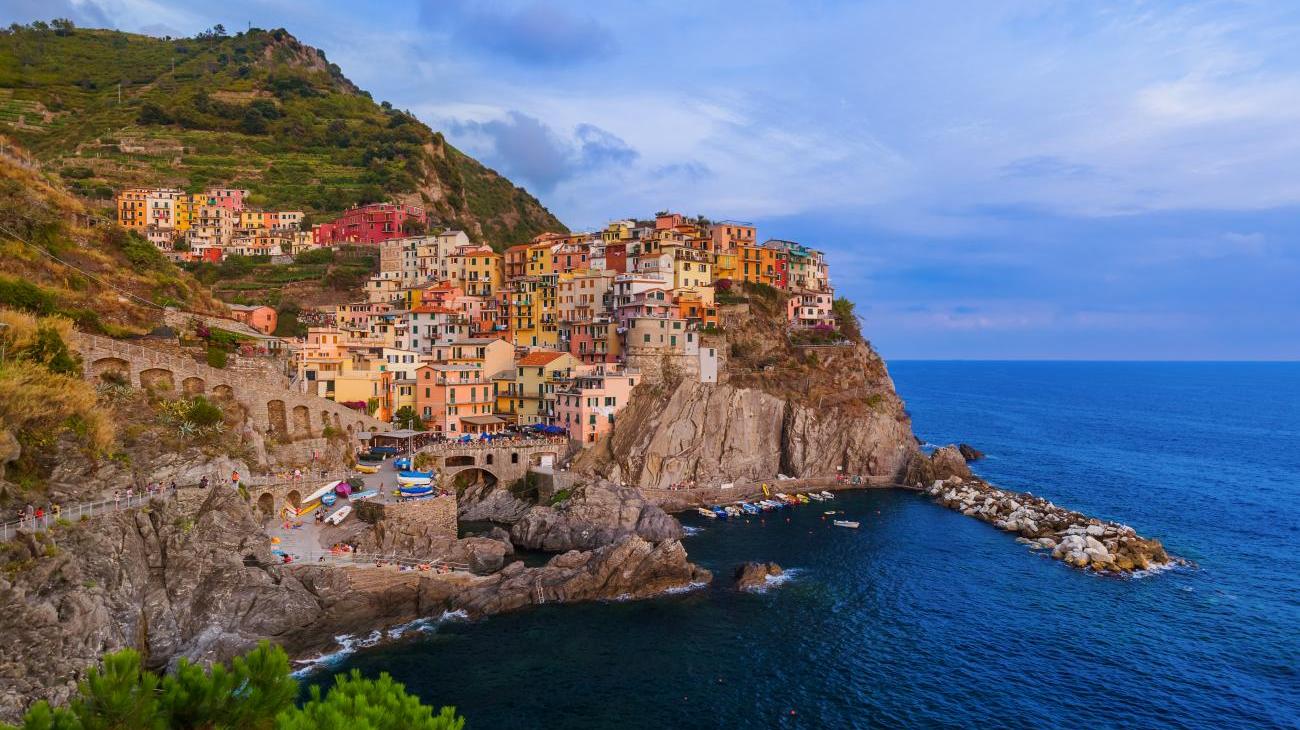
column 487, row 420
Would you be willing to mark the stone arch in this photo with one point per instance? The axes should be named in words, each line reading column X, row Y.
column 266, row 504
column 193, row 386
column 293, row 498
column 111, row 368
column 157, row 379
column 460, row 460
column 471, row 476
column 301, row 423
column 276, row 418
column 223, row 391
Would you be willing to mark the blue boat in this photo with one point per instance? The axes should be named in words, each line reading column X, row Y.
column 416, row 490
column 328, row 499
column 402, row 463
column 720, row 512
column 367, row 494
column 383, row 450
column 749, row 508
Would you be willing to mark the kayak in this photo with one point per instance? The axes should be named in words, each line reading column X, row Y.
column 364, row 495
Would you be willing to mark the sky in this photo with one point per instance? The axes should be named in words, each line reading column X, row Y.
column 1007, row 179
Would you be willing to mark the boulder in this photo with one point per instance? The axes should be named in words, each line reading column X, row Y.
column 750, row 576
column 596, row 514
column 948, row 463
column 970, row 453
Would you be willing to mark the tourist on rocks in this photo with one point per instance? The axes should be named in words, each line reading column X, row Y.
column 117, row 499
column 234, row 479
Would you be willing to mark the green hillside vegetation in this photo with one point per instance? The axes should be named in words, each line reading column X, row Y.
column 257, row 110
column 255, row 692
column 57, row 258
column 321, row 276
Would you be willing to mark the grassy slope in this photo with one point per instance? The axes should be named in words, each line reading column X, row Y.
column 36, row 209
column 258, row 110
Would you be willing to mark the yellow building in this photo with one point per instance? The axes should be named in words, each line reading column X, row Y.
column 483, row 273
column 539, row 375
column 725, row 266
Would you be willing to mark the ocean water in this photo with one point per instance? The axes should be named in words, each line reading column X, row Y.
column 926, row 618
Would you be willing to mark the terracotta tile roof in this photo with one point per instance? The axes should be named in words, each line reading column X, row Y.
column 539, row 357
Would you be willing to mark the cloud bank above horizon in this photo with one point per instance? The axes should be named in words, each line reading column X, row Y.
column 1018, row 179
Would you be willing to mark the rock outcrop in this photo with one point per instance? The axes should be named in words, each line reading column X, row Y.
column 482, row 502
column 595, row 514
column 970, row 453
column 753, row 576
column 176, row 580
column 944, row 463
column 1079, row 540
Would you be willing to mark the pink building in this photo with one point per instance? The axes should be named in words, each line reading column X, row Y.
column 228, row 198
column 811, row 308
column 261, row 318
column 371, row 224
column 588, row 407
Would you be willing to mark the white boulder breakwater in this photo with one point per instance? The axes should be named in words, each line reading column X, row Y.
column 1081, row 541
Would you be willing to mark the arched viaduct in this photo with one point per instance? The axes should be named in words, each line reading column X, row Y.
column 506, row 463
column 289, row 415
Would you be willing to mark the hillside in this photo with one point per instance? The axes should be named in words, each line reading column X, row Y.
column 56, row 258
column 258, row 110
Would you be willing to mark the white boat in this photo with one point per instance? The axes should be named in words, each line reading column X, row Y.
column 814, row 496
column 706, row 513
column 830, row 512
column 845, row 523
column 340, row 515
column 826, row 495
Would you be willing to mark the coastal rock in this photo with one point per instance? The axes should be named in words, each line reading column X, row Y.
column 970, row 453
column 1073, row 538
column 948, row 462
column 483, row 502
column 750, row 576
column 595, row 514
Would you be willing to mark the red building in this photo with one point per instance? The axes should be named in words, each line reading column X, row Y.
column 616, row 257
column 371, row 224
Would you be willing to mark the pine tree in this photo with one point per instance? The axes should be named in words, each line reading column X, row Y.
column 356, row 703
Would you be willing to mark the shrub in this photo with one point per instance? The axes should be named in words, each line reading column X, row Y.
column 559, row 496
column 216, row 357
column 24, row 295
column 203, row 412
column 255, row 691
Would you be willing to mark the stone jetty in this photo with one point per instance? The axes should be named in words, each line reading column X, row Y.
column 1081, row 541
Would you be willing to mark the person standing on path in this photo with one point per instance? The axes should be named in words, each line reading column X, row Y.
column 234, row 479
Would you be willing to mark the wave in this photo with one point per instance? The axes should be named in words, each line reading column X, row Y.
column 349, row 644
column 688, row 530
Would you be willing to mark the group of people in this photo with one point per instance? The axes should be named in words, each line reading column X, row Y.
column 36, row 514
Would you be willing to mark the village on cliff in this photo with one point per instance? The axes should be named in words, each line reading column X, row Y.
column 458, row 339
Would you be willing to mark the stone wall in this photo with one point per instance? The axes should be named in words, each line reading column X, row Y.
column 271, row 408
column 425, row 518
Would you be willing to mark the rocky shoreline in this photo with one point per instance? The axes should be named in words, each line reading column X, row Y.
column 1084, row 542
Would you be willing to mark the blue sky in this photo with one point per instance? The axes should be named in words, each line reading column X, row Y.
column 1001, row 179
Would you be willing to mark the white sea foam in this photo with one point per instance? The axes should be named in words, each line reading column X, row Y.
column 688, row 530
column 773, row 581
column 350, row 643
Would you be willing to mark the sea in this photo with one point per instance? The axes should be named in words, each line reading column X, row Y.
column 925, row 618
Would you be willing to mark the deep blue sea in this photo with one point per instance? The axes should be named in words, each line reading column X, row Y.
column 926, row 618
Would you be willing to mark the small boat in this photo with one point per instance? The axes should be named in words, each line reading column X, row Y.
column 815, row 496
column 719, row 512
column 748, row 508
column 803, row 498
column 830, row 512
column 328, row 499
column 367, row 494
column 733, row 511
column 706, row 513
column 339, row 515
column 402, row 463
column 414, row 477
column 845, row 523
column 368, row 468
column 826, row 495
column 415, row 490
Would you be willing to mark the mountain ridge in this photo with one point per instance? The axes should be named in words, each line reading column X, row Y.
column 259, row 109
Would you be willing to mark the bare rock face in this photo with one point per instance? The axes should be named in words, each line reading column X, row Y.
column 970, row 453
column 594, row 515
column 712, row 434
column 751, row 576
column 948, row 462
column 490, row 503
column 170, row 582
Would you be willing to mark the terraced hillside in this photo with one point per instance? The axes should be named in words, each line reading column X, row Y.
column 259, row 110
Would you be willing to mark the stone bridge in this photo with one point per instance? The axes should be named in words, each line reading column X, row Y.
column 503, row 462
column 268, row 404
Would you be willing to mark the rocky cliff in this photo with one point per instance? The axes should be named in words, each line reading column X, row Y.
column 780, row 407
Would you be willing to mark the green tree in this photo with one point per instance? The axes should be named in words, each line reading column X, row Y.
column 356, row 703
column 846, row 319
column 255, row 692
column 406, row 417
